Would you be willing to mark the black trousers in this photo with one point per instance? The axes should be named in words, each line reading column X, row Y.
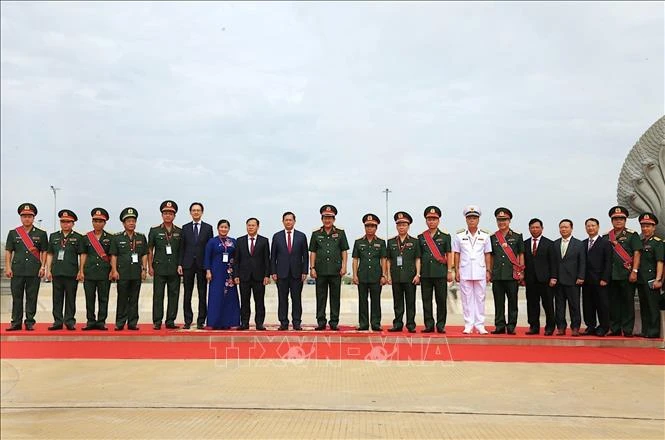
column 127, row 310
column 365, row 314
column 172, row 285
column 649, row 310
column 404, row 294
column 595, row 302
column 622, row 306
column 292, row 286
column 96, row 290
column 502, row 289
column 201, row 287
column 21, row 287
column 259, row 291
column 535, row 294
column 571, row 295
column 64, row 296
column 437, row 287
column 328, row 284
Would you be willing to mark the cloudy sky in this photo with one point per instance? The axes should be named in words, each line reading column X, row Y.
column 255, row 109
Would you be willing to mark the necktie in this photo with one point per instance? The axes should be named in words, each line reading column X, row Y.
column 564, row 247
column 591, row 240
column 535, row 247
column 288, row 241
column 251, row 246
column 196, row 232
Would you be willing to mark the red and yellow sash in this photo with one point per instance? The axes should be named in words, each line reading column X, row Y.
column 27, row 241
column 621, row 252
column 510, row 254
column 433, row 248
column 98, row 246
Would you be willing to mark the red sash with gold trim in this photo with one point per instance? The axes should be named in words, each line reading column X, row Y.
column 98, row 246
column 510, row 254
column 27, row 241
column 620, row 251
column 433, row 248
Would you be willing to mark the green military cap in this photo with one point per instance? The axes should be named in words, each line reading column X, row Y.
column 99, row 214
column 618, row 211
column 648, row 218
column 371, row 219
column 65, row 215
column 500, row 213
column 128, row 213
column 27, row 208
column 432, row 211
column 328, row 211
column 402, row 217
column 168, row 205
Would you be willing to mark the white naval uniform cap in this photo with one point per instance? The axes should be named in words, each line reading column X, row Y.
column 471, row 210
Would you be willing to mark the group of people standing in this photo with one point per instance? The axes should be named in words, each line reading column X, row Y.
column 228, row 272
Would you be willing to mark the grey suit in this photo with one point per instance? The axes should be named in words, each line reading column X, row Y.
column 567, row 270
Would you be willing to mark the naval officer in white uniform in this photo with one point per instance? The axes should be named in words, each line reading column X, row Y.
column 472, row 248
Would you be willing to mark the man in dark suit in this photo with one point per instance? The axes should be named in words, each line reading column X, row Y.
column 538, row 262
column 595, row 299
column 568, row 276
column 251, row 267
column 195, row 236
column 289, row 260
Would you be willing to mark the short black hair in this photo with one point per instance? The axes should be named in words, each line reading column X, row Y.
column 536, row 220
column 591, row 219
column 223, row 221
column 288, row 213
column 566, row 220
column 253, row 218
column 196, row 203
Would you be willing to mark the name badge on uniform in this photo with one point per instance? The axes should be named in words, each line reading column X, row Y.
column 225, row 257
column 61, row 254
column 399, row 261
column 168, row 249
column 135, row 257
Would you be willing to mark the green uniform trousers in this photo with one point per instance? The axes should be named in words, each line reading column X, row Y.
column 622, row 306
column 502, row 289
column 404, row 293
column 172, row 284
column 64, row 296
column 437, row 287
column 649, row 311
column 325, row 284
column 96, row 290
column 20, row 287
column 127, row 310
column 365, row 316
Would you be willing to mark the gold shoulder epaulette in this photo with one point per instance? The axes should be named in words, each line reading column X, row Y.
column 487, row 232
column 459, row 231
column 657, row 238
column 630, row 230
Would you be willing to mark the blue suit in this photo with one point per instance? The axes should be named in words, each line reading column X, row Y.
column 289, row 268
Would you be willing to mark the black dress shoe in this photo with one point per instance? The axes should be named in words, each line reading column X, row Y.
column 157, row 327
column 261, row 328
column 600, row 332
column 132, row 327
column 89, row 327
column 575, row 332
column 614, row 333
column 627, row 335
column 427, row 330
column 172, row 326
column 510, row 331
column 119, row 328
column 186, row 326
column 243, row 328
column 71, row 327
column 532, row 332
column 297, row 327
column 639, row 335
column 440, row 330
column 29, row 327
column 102, row 328
column 412, row 330
column 334, row 328
column 498, row 331
column 320, row 327
column 362, row 329
column 549, row 332
column 55, row 327
column 200, row 326
column 395, row 329
column 588, row 331
column 377, row 329
column 14, row 328
column 284, row 327
column 561, row 332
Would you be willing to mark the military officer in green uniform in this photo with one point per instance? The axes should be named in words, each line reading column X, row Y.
column 163, row 258
column 369, row 273
column 328, row 253
column 62, row 266
column 25, row 265
column 507, row 271
column 650, row 276
column 627, row 247
column 436, row 252
column 403, row 265
column 96, row 270
column 129, row 264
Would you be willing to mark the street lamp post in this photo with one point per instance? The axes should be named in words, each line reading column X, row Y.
column 387, row 191
column 55, row 204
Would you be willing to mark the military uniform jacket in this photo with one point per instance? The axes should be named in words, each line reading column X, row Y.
column 429, row 267
column 472, row 252
column 72, row 245
column 369, row 255
column 328, row 248
column 123, row 247
column 502, row 268
column 630, row 241
column 24, row 264
column 159, row 238
column 95, row 267
column 652, row 253
column 409, row 250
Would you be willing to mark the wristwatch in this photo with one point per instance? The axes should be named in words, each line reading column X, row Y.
column 635, row 270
